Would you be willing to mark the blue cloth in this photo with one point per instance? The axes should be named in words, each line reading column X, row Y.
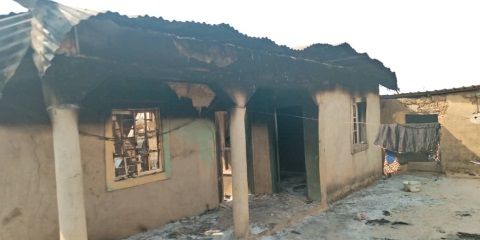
column 389, row 157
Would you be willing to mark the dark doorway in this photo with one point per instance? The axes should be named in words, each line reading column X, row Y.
column 224, row 162
column 421, row 118
column 421, row 156
column 291, row 148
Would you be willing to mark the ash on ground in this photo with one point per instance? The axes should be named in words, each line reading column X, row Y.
column 266, row 211
column 445, row 208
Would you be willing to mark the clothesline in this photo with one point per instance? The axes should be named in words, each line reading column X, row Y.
column 316, row 119
column 43, row 118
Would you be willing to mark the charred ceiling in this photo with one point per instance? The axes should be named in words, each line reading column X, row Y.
column 110, row 45
column 340, row 55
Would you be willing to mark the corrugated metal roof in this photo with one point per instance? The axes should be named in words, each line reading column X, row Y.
column 43, row 28
column 14, row 42
column 433, row 92
column 51, row 21
column 342, row 55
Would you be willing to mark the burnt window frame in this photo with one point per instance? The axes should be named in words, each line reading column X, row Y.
column 164, row 172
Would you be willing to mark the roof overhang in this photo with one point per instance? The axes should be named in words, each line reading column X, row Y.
column 184, row 52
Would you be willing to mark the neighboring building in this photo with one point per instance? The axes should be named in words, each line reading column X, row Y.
column 457, row 111
column 161, row 111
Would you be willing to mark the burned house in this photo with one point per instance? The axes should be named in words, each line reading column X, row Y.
column 119, row 124
column 457, row 111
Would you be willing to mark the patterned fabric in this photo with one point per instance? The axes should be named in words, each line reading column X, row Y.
column 391, row 168
column 435, row 154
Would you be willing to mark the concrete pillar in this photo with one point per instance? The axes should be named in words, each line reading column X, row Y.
column 239, row 172
column 68, row 174
column 68, row 168
column 317, row 97
column 238, row 146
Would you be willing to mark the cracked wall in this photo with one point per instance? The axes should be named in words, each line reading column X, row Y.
column 28, row 196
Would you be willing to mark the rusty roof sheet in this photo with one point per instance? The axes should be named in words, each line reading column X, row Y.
column 42, row 28
column 433, row 92
column 50, row 21
column 342, row 55
column 14, row 41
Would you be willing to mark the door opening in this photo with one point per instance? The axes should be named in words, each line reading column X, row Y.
column 291, row 150
column 224, row 163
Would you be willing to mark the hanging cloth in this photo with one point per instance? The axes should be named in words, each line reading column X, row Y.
column 409, row 138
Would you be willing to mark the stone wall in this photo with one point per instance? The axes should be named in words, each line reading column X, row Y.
column 460, row 143
column 427, row 105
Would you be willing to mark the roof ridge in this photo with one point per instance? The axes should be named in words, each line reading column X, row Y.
column 433, row 92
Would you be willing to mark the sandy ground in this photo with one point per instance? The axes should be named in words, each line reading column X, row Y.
column 445, row 208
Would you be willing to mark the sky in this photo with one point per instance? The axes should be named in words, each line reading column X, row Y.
column 429, row 44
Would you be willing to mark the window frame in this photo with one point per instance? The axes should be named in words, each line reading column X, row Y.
column 146, row 176
column 359, row 126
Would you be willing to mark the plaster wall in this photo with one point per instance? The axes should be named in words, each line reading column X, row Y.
column 347, row 171
column 28, row 194
column 459, row 142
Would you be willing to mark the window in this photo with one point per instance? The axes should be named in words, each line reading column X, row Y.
column 359, row 123
column 421, row 118
column 135, row 154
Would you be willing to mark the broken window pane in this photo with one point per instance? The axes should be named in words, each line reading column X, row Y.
column 137, row 142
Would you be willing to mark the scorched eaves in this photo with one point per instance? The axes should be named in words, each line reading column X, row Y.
column 43, row 28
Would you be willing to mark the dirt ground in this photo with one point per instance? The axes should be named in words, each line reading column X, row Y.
column 445, row 208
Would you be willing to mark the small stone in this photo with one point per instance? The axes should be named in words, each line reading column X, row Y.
column 360, row 217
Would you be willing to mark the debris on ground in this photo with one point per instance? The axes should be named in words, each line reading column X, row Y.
column 266, row 211
column 295, row 232
column 361, row 217
column 464, row 213
column 463, row 235
column 376, row 222
column 440, row 230
column 400, row 223
column 433, row 213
